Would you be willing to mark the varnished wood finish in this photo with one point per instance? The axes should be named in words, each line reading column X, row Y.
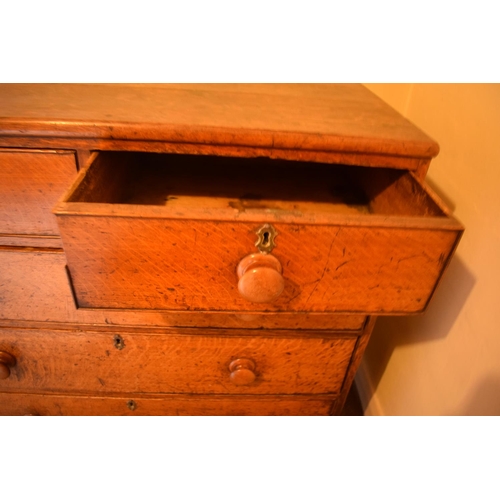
column 153, row 242
column 141, row 263
column 154, row 232
column 7, row 361
column 293, row 118
column 353, row 367
column 250, row 190
column 347, row 158
column 160, row 363
column 34, row 289
column 17, row 242
column 30, row 184
column 82, row 158
column 169, row 405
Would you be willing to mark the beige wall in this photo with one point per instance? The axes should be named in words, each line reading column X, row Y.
column 447, row 361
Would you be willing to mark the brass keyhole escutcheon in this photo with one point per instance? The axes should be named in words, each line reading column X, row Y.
column 266, row 236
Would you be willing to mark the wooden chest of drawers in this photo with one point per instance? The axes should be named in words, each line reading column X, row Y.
column 223, row 249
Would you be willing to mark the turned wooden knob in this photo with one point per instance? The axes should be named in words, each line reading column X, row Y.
column 260, row 278
column 242, row 371
column 6, row 362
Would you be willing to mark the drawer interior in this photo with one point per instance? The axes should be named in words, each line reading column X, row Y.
column 167, row 232
column 191, row 183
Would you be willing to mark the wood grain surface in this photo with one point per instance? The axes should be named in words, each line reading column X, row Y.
column 359, row 350
column 136, row 405
column 34, row 288
column 30, row 184
column 156, row 232
column 67, row 361
column 415, row 164
column 19, row 241
column 119, row 262
column 153, row 259
column 249, row 189
column 294, row 118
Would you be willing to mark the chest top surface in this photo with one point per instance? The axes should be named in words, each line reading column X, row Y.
column 343, row 118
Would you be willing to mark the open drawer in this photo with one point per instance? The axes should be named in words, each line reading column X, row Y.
column 171, row 232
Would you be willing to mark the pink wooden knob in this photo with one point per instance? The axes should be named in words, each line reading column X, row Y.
column 242, row 371
column 6, row 362
column 260, row 278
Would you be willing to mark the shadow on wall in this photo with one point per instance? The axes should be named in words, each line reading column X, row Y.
column 484, row 399
column 434, row 324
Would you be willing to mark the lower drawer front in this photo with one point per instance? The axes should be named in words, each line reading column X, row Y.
column 173, row 363
column 34, row 287
column 49, row 404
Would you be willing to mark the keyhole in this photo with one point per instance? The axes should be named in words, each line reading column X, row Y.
column 265, row 239
column 118, row 342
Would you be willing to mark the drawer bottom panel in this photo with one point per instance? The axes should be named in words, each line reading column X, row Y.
column 68, row 405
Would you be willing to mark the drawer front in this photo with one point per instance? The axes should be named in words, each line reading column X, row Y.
column 173, row 233
column 119, row 262
column 172, row 363
column 65, row 405
column 34, row 286
column 30, row 184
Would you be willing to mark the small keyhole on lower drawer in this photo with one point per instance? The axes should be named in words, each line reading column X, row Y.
column 132, row 405
column 118, row 342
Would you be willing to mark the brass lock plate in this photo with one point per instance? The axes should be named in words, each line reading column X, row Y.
column 266, row 238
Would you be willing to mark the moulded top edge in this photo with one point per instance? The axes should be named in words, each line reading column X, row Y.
column 342, row 118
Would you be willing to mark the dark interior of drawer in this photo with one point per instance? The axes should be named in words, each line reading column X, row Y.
column 181, row 181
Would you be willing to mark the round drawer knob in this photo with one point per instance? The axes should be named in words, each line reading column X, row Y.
column 260, row 278
column 6, row 362
column 242, row 371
